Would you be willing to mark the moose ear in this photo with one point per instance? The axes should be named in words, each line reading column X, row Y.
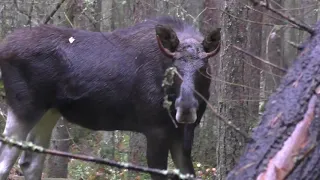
column 211, row 42
column 167, row 39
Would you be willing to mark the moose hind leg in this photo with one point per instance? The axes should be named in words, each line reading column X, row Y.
column 17, row 128
column 32, row 163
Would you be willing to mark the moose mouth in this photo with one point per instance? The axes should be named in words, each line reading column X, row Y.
column 186, row 116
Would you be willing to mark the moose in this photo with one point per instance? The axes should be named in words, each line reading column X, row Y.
column 106, row 81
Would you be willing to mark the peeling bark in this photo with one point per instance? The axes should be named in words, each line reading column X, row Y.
column 285, row 144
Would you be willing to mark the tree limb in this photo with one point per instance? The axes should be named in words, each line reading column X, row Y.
column 15, row 3
column 260, row 59
column 30, row 13
column 29, row 146
column 289, row 18
column 53, row 12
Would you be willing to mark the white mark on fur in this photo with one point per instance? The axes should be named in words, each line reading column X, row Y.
column 71, row 39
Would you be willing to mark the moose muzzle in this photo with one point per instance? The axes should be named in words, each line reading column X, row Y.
column 186, row 107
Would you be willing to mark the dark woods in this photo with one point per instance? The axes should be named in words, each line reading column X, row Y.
column 106, row 81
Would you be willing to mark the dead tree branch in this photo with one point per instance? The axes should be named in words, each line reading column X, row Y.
column 30, row 13
column 289, row 18
column 15, row 3
column 260, row 59
column 53, row 12
column 29, row 146
column 27, row 14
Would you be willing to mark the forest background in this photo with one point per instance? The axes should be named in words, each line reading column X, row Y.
column 241, row 83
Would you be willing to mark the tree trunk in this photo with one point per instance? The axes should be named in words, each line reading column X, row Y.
column 285, row 145
column 57, row 167
column 237, row 103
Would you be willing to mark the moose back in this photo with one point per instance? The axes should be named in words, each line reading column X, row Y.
column 106, row 81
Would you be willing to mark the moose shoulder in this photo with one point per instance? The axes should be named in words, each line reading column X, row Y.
column 106, row 81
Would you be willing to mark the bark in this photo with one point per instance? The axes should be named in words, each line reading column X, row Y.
column 285, row 144
column 57, row 167
column 237, row 103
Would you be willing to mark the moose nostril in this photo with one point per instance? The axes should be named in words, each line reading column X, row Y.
column 185, row 112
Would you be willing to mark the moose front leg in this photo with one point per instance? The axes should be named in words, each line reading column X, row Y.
column 157, row 152
column 180, row 155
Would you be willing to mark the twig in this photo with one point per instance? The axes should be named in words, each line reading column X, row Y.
column 287, row 17
column 195, row 19
column 274, row 29
column 166, row 84
column 18, row 9
column 260, row 59
column 263, row 13
column 267, row 3
column 300, row 8
column 290, row 43
column 53, row 12
column 68, row 20
column 30, row 13
column 29, row 146
column 245, row 20
column 1, row 9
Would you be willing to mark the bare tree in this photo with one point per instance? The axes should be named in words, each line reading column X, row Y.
column 235, row 102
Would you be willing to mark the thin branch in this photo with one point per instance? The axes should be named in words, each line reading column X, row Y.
column 267, row 3
column 29, row 146
column 27, row 14
column 30, row 13
column 1, row 9
column 267, row 50
column 195, row 19
column 15, row 3
column 234, row 84
column 287, row 17
column 263, row 13
column 53, row 12
column 260, row 59
column 245, row 20
column 300, row 8
column 68, row 20
column 293, row 44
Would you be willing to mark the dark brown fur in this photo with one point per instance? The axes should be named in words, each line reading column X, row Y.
column 102, row 81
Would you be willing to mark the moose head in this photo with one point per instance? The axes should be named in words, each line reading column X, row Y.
column 190, row 56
